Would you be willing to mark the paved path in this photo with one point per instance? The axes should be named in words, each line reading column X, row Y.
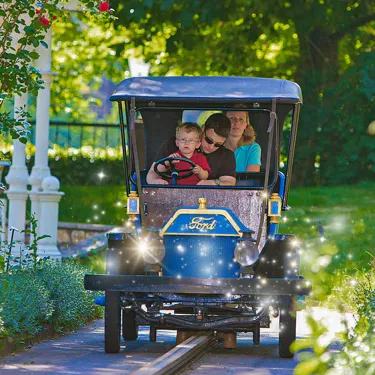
column 82, row 353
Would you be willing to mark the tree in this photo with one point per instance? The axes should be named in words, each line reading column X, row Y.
column 310, row 41
column 82, row 56
column 23, row 24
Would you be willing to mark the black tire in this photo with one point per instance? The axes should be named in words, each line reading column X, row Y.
column 256, row 335
column 287, row 326
column 153, row 333
column 112, row 322
column 129, row 325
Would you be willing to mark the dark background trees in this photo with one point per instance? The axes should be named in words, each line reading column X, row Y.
column 327, row 46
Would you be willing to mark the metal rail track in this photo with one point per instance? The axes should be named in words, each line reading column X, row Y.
column 181, row 355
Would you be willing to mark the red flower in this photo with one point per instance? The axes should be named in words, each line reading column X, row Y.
column 38, row 11
column 44, row 21
column 54, row 17
column 103, row 6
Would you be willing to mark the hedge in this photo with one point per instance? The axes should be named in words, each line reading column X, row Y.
column 81, row 166
column 53, row 295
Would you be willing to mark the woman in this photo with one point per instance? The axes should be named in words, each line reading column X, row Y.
column 241, row 141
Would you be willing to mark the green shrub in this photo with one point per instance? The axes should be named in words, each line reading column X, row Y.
column 357, row 355
column 80, row 166
column 53, row 294
column 72, row 304
column 95, row 260
column 25, row 303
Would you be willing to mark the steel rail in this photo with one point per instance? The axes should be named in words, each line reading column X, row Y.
column 176, row 359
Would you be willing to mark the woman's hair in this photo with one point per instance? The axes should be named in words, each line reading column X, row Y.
column 248, row 136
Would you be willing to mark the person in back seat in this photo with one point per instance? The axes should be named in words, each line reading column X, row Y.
column 241, row 141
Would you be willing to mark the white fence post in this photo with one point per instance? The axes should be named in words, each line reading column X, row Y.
column 49, row 213
column 17, row 180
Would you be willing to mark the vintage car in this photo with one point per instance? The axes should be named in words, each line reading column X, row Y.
column 203, row 258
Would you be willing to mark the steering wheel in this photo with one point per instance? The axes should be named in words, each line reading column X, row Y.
column 172, row 171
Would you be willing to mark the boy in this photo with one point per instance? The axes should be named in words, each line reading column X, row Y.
column 220, row 159
column 188, row 137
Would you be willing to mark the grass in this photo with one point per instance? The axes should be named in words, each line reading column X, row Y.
column 347, row 214
column 93, row 204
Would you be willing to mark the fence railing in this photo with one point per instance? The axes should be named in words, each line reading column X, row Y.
column 76, row 135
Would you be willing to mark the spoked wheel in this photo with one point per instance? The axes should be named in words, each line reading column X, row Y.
column 112, row 322
column 129, row 325
column 287, row 326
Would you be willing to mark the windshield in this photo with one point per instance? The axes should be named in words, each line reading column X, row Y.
column 224, row 142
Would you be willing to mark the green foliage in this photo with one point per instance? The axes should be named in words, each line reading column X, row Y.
column 52, row 294
column 81, row 166
column 93, row 204
column 347, row 152
column 83, row 54
column 35, row 291
column 357, row 354
column 25, row 303
column 72, row 304
column 348, row 217
column 94, row 260
column 325, row 46
column 23, row 25
column 27, row 257
column 341, row 270
column 35, row 238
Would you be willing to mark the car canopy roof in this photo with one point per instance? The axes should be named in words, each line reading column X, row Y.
column 208, row 89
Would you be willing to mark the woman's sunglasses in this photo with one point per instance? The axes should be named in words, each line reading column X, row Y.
column 211, row 142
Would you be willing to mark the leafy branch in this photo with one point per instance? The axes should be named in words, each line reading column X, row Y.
column 23, row 27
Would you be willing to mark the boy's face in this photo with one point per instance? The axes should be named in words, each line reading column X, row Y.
column 187, row 142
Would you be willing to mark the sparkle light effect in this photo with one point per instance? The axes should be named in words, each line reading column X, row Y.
column 101, row 175
column 180, row 248
column 295, row 243
column 339, row 224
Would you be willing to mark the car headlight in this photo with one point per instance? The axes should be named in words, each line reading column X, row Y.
column 246, row 253
column 152, row 250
